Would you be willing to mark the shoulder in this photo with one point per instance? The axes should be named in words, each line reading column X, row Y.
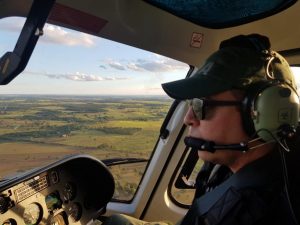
column 242, row 207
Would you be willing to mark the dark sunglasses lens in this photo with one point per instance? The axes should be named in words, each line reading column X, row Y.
column 201, row 106
column 197, row 106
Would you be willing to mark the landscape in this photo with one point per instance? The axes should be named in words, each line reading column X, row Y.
column 38, row 129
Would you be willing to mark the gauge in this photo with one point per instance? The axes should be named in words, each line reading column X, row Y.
column 32, row 214
column 59, row 219
column 9, row 222
column 54, row 177
column 53, row 201
column 69, row 191
column 74, row 211
column 3, row 204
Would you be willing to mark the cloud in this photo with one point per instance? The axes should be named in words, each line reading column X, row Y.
column 153, row 66
column 134, row 67
column 77, row 76
column 160, row 64
column 116, row 65
column 57, row 35
column 103, row 67
column 156, row 65
column 52, row 34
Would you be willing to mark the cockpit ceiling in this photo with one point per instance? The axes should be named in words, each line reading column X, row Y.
column 142, row 25
column 221, row 14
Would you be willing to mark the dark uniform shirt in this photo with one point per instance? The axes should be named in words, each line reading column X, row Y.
column 253, row 196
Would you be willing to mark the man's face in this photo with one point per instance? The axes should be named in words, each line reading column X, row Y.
column 222, row 124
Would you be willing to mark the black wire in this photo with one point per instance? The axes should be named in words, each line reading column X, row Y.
column 284, row 171
column 286, row 185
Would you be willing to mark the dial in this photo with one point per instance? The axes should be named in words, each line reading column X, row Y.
column 9, row 222
column 53, row 201
column 59, row 219
column 32, row 214
column 69, row 191
column 74, row 211
column 54, row 177
column 3, row 204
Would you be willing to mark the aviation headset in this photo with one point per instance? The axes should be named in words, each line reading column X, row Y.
column 271, row 107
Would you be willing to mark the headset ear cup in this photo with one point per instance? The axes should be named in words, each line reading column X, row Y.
column 248, row 103
column 246, row 116
column 267, row 107
column 274, row 107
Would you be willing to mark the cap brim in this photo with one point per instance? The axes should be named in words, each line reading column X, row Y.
column 195, row 87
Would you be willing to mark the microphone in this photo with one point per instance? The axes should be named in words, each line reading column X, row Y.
column 210, row 146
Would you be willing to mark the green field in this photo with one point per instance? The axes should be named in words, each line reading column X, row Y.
column 37, row 130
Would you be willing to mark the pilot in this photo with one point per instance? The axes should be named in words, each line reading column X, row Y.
column 243, row 107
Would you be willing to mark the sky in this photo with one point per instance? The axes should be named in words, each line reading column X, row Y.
column 74, row 63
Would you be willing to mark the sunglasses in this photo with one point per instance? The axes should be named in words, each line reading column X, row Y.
column 199, row 106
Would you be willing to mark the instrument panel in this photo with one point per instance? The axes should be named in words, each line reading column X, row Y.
column 74, row 190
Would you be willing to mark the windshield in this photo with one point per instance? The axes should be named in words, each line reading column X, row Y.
column 81, row 94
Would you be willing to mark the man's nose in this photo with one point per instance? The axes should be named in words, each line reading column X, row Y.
column 190, row 118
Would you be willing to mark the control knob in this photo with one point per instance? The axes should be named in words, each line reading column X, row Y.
column 4, row 203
